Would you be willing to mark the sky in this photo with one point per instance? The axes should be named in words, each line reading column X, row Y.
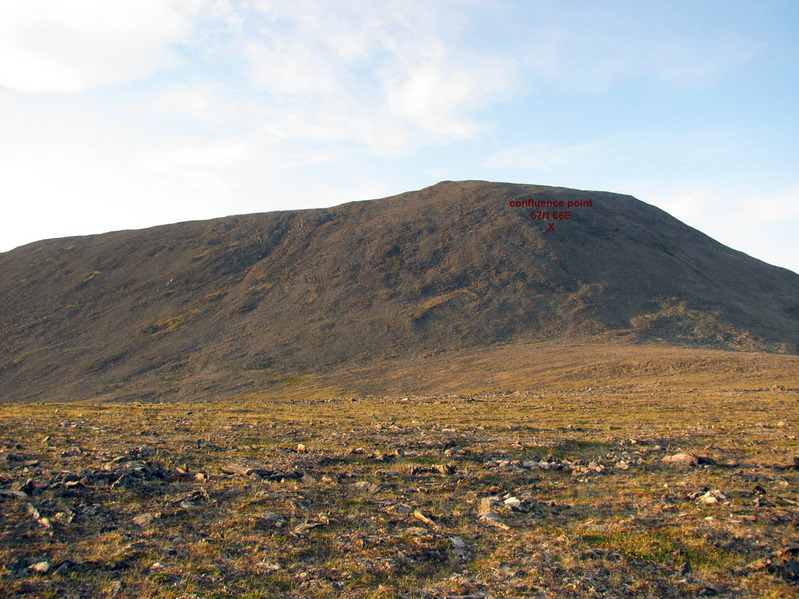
column 125, row 114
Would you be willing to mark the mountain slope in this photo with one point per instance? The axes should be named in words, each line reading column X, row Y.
column 179, row 309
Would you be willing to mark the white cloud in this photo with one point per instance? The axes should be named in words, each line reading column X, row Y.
column 394, row 69
column 765, row 225
column 289, row 66
column 49, row 45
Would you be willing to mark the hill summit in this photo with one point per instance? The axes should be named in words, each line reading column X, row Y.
column 183, row 308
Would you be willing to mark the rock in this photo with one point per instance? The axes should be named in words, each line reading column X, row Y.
column 459, row 549
column 273, row 519
column 40, row 567
column 445, row 469
column 32, row 511
column 458, row 542
column 364, row 485
column 416, row 470
column 14, row 494
column 758, row 565
column 66, row 567
column 379, row 456
column 65, row 517
column 785, row 565
column 29, row 487
column 238, row 469
column 711, row 497
column 454, row 450
column 146, row 451
column 144, row 519
column 400, row 509
column 622, row 465
column 303, row 528
column 494, row 520
column 420, row 516
column 260, row 473
column 487, row 502
column 115, row 588
column 513, row 502
column 682, row 460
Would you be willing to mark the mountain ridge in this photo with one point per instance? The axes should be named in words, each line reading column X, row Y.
column 446, row 268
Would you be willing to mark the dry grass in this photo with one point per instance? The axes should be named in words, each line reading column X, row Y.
column 371, row 506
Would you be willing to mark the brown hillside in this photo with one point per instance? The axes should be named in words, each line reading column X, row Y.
column 194, row 309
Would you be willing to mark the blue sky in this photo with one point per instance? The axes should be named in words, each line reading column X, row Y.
column 131, row 113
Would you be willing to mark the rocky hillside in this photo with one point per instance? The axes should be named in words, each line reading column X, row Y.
column 190, row 308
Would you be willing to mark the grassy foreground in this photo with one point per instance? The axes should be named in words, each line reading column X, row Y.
column 533, row 490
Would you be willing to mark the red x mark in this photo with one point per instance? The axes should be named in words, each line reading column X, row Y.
column 551, row 227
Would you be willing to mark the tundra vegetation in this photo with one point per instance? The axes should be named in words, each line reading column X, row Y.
column 660, row 473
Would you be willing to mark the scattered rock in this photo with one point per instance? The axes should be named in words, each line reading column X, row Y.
column 364, row 485
column 494, row 520
column 260, row 473
column 273, row 519
column 758, row 565
column 711, row 497
column 682, row 460
column 445, row 469
column 785, row 565
column 303, row 528
column 64, row 517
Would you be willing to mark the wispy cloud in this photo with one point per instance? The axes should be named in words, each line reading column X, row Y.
column 188, row 108
column 74, row 46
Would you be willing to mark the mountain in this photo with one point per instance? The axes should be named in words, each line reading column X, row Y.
column 193, row 309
